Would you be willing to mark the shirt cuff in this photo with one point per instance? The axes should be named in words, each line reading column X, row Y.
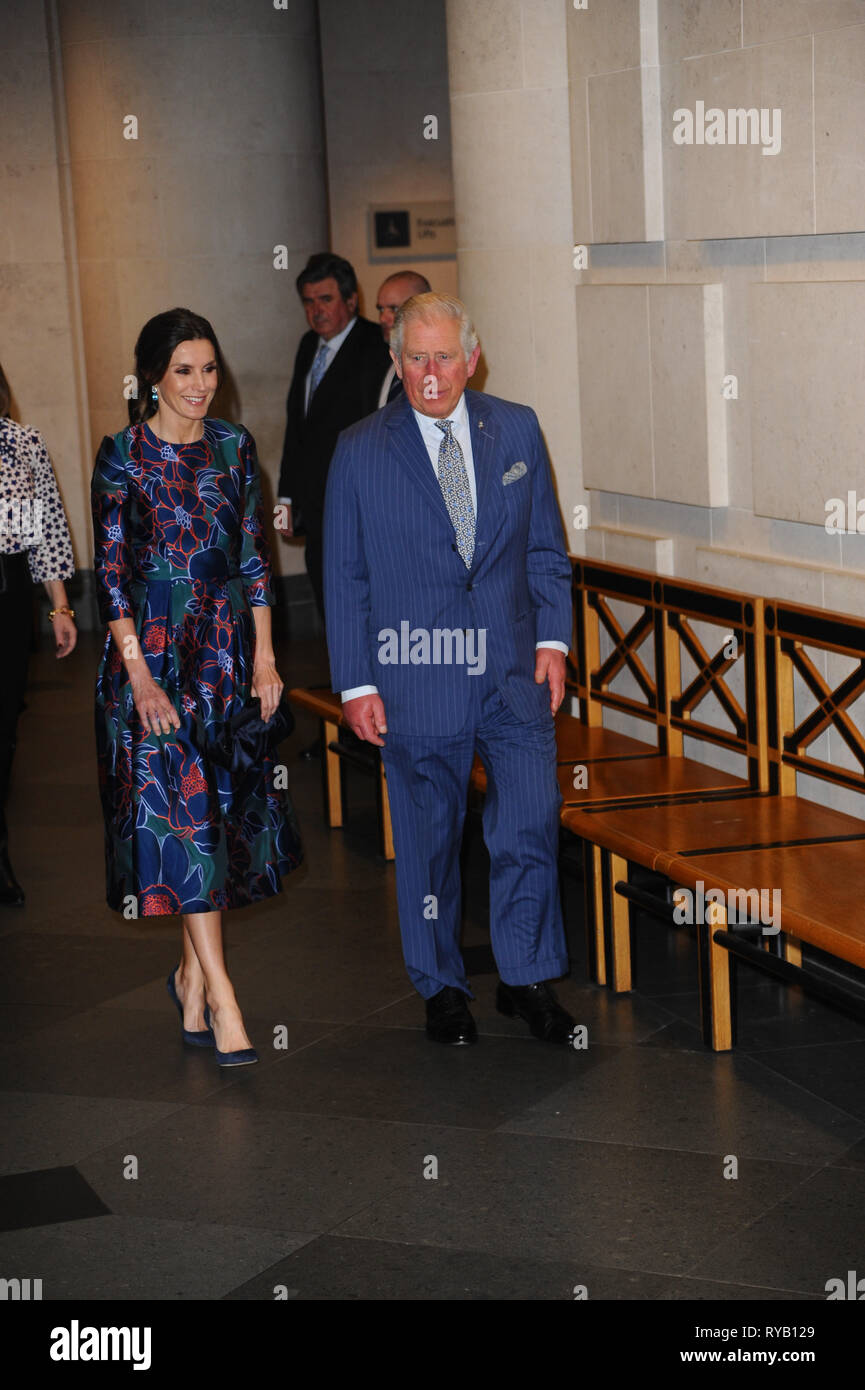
column 286, row 501
column 358, row 690
column 556, row 646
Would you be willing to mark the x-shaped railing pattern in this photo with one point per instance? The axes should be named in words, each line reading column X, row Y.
column 710, row 676
column 831, row 705
column 625, row 650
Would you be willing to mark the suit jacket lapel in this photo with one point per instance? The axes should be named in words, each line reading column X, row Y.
column 331, row 383
column 408, row 442
column 486, row 457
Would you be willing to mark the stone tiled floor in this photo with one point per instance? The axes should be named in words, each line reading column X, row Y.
column 311, row 1172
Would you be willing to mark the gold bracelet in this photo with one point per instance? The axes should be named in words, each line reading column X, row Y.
column 70, row 612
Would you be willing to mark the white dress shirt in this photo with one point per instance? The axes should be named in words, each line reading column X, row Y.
column 432, row 437
column 333, row 346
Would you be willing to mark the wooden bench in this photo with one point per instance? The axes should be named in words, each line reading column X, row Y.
column 809, row 853
column 327, row 706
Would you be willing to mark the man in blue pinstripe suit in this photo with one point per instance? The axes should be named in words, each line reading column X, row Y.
column 448, row 606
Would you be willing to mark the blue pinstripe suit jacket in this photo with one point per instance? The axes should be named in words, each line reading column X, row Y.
column 390, row 558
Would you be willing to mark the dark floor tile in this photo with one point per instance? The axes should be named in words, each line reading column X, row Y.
column 677, row 1034
column 18, row 1021
column 44, row 1131
column 133, row 1054
column 621, row 1284
column 648, row 1210
column 257, row 1168
column 117, row 1259
column 340, row 1267
column 834, row 1071
column 45, row 1196
column 334, row 1267
column 386, row 1074
column 807, row 1238
column 74, row 971
column 714, row 1103
column 854, row 1157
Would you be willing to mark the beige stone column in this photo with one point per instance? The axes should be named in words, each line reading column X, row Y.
column 510, row 137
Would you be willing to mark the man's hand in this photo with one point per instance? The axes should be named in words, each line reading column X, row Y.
column 550, row 665
column 365, row 717
column 285, row 528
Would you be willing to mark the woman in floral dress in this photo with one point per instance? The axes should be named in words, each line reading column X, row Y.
column 184, row 583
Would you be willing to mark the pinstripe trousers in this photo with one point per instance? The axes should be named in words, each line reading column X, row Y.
column 428, row 782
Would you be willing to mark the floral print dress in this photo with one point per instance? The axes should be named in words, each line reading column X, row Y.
column 180, row 548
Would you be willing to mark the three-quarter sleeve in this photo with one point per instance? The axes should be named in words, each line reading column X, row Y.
column 111, row 554
column 255, row 563
column 50, row 554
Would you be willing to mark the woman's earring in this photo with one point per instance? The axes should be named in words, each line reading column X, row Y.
column 154, row 394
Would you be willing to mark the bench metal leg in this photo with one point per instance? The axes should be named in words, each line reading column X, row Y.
column 716, row 1011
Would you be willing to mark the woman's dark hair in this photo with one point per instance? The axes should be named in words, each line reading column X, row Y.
column 154, row 349
column 5, row 395
column 322, row 266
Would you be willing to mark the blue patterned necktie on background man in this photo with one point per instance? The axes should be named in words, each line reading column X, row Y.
column 454, row 483
column 318, row 368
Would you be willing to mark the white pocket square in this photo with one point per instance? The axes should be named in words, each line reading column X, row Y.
column 515, row 471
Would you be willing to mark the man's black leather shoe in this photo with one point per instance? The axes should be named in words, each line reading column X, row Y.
column 540, row 1008
column 448, row 1019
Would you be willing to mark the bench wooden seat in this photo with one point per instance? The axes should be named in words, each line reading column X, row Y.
column 677, row 832
column 820, row 904
column 645, row 780
column 820, row 889
column 327, row 707
column 577, row 742
column 677, row 829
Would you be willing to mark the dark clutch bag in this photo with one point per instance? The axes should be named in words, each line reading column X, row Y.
column 245, row 739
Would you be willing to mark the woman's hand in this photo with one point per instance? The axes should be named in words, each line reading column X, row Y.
column 155, row 710
column 267, row 686
column 65, row 633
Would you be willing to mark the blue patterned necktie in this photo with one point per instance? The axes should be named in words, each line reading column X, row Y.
column 318, row 370
column 454, row 483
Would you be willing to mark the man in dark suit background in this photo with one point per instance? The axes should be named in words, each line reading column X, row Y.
column 448, row 620
column 392, row 294
column 340, row 365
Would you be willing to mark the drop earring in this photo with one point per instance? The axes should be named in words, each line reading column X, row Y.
column 154, row 394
